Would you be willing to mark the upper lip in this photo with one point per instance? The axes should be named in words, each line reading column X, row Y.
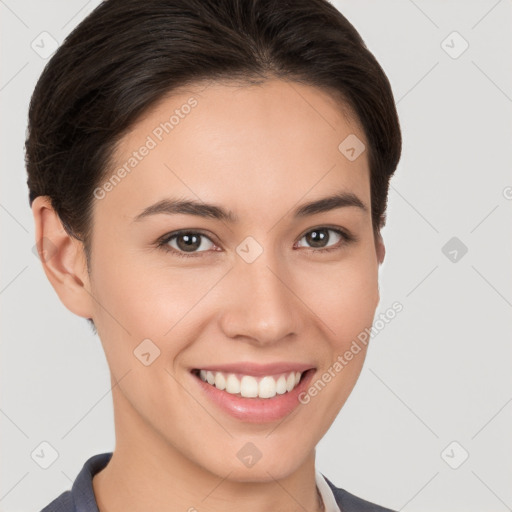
column 256, row 369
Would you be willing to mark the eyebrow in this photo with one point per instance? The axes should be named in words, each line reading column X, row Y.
column 171, row 206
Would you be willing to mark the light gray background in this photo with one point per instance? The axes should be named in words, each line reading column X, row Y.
column 439, row 372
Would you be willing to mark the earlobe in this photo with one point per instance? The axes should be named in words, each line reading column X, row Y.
column 63, row 258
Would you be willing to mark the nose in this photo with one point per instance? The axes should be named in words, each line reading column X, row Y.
column 262, row 306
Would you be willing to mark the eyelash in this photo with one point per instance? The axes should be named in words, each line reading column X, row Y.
column 162, row 242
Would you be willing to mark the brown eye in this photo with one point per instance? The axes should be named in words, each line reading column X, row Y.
column 186, row 243
column 320, row 237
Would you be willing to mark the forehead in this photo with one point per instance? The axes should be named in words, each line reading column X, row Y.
column 253, row 144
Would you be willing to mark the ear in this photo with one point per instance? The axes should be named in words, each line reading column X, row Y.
column 380, row 248
column 63, row 259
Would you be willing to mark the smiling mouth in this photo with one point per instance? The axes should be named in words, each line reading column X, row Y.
column 249, row 386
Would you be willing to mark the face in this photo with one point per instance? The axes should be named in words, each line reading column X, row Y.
column 250, row 285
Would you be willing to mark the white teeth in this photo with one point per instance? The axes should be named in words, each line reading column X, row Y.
column 267, row 387
column 232, row 385
column 220, row 381
column 290, row 382
column 281, row 385
column 249, row 387
column 252, row 387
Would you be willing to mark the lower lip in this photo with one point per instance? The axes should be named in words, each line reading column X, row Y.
column 256, row 410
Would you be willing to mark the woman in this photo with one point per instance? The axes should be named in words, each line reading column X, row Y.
column 208, row 180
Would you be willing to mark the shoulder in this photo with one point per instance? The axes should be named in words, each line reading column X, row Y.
column 350, row 503
column 62, row 503
column 81, row 496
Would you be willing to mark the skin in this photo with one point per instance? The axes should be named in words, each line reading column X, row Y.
column 259, row 151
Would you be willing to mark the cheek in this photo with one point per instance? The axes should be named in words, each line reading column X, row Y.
column 344, row 295
column 139, row 296
column 137, row 300
column 346, row 304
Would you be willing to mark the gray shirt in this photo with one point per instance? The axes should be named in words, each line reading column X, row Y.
column 81, row 496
